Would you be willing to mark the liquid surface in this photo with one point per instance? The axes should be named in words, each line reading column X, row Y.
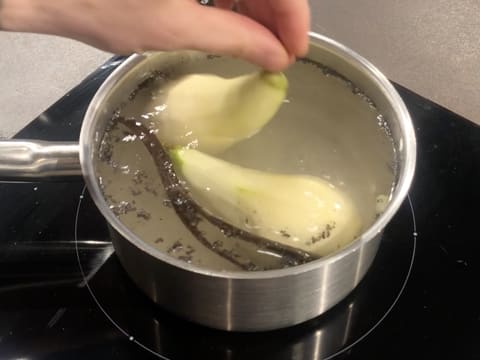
column 323, row 129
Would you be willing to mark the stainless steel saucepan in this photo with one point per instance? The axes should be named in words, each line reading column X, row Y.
column 239, row 301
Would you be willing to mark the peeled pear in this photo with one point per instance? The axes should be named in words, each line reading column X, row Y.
column 211, row 113
column 300, row 211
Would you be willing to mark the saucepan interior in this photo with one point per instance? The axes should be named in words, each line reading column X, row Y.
column 348, row 113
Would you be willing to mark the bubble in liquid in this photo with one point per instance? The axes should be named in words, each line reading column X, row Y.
column 122, row 208
column 129, row 138
column 125, row 169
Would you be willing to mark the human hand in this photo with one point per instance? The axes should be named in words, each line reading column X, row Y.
column 270, row 33
column 288, row 20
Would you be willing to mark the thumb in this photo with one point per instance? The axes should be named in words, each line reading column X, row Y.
column 227, row 33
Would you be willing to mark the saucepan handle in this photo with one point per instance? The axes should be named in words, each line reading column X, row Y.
column 39, row 161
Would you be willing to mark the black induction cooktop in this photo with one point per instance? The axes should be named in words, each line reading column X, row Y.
column 64, row 295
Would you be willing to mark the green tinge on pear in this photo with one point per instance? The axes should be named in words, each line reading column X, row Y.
column 176, row 157
column 278, row 80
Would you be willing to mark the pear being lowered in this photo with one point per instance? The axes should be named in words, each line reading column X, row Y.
column 300, row 211
column 212, row 113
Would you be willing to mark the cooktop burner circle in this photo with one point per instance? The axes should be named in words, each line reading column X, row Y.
column 334, row 333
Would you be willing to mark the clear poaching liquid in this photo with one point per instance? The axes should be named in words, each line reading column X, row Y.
column 323, row 129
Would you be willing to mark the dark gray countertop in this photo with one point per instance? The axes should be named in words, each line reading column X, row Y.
column 429, row 46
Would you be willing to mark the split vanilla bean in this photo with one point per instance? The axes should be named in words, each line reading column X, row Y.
column 191, row 213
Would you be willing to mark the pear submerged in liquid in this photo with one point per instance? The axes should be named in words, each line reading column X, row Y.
column 297, row 210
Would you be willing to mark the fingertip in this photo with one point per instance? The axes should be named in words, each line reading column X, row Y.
column 303, row 46
column 293, row 25
column 299, row 46
column 273, row 61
